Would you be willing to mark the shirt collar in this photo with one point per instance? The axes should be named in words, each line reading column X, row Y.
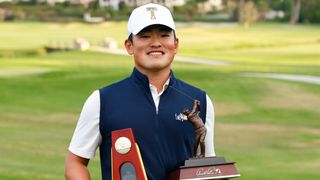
column 143, row 79
column 164, row 87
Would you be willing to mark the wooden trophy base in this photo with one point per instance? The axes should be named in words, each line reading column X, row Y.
column 205, row 168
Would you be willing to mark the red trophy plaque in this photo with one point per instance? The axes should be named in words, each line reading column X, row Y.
column 126, row 159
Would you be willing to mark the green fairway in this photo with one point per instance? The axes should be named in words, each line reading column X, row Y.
column 269, row 127
column 263, row 47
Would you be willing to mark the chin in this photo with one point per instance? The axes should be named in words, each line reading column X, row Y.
column 160, row 67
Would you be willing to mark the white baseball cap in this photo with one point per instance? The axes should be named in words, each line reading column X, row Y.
column 149, row 14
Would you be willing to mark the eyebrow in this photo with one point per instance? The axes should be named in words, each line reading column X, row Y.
column 167, row 29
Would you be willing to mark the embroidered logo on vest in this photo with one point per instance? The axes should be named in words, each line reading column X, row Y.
column 181, row 117
column 152, row 9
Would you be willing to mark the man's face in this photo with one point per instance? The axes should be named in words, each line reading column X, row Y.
column 153, row 48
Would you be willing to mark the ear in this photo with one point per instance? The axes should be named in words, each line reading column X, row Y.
column 176, row 44
column 129, row 46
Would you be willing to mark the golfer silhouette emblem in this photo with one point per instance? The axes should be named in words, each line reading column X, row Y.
column 152, row 9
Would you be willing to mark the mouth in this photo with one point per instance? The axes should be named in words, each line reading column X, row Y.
column 155, row 53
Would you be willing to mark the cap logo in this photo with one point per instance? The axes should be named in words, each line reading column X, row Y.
column 152, row 9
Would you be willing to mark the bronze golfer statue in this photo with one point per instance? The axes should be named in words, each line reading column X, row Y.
column 201, row 167
column 200, row 129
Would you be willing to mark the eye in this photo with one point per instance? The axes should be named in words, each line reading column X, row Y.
column 165, row 35
column 144, row 35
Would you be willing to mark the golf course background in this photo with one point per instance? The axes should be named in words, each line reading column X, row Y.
column 270, row 127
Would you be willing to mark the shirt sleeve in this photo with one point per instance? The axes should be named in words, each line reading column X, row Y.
column 86, row 137
column 209, row 140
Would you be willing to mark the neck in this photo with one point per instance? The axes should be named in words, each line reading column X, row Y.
column 157, row 78
column 158, row 81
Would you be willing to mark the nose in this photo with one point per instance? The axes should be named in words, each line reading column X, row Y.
column 155, row 43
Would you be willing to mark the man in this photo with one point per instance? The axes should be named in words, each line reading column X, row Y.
column 150, row 102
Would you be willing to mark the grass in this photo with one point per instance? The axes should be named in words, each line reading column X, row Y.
column 269, row 127
column 31, row 35
column 263, row 47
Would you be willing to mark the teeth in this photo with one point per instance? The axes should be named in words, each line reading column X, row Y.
column 155, row 53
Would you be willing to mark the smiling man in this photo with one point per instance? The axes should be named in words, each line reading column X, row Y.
column 150, row 101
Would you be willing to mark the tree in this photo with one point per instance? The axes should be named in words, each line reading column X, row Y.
column 191, row 8
column 248, row 13
column 310, row 11
column 295, row 11
column 245, row 11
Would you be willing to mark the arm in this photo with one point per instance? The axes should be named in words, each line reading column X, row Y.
column 76, row 167
column 85, row 140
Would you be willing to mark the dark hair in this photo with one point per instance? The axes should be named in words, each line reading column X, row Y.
column 130, row 38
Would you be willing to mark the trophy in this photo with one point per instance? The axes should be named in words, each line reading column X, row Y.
column 201, row 167
column 126, row 159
